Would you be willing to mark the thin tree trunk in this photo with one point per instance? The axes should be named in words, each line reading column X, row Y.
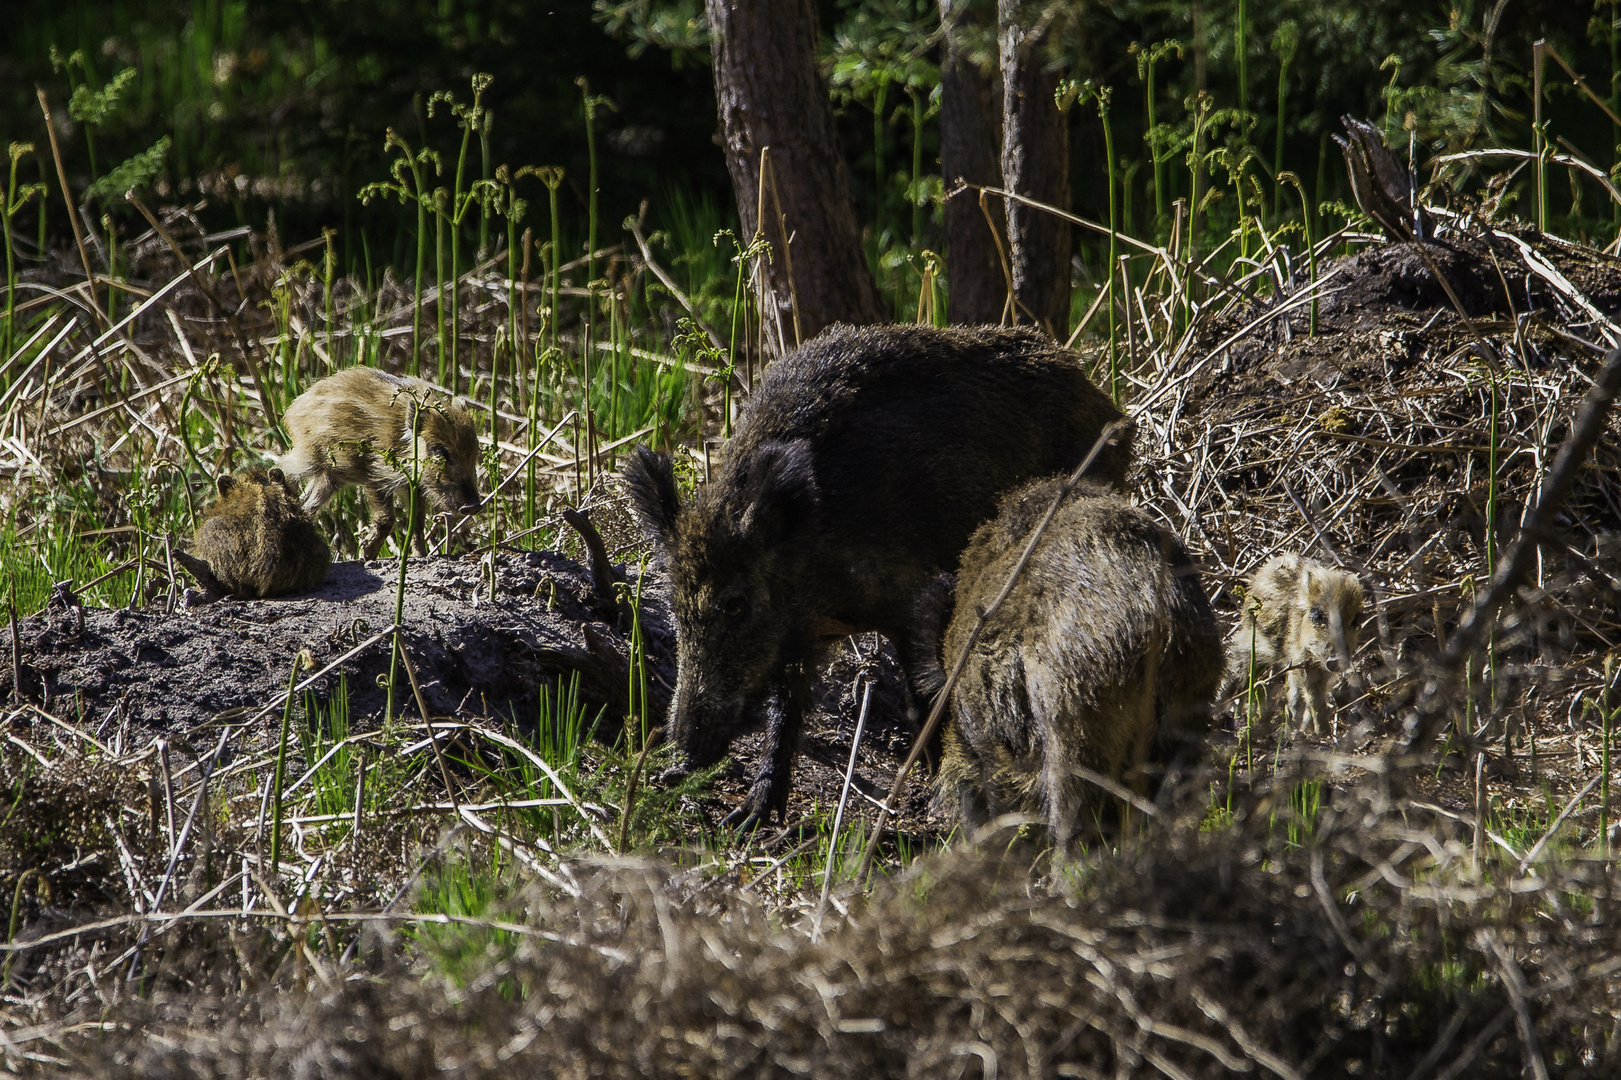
column 771, row 96
column 1035, row 163
column 970, row 140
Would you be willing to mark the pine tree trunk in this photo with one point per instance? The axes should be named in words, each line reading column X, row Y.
column 970, row 141
column 1035, row 163
column 771, row 96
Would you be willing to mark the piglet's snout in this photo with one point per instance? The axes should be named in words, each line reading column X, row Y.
column 1338, row 658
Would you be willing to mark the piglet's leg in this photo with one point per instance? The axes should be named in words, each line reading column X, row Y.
column 1307, row 699
column 1317, row 694
column 382, row 522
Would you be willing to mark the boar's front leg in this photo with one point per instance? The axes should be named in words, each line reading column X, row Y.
column 785, row 719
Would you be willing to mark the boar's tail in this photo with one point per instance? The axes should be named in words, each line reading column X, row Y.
column 930, row 614
column 650, row 479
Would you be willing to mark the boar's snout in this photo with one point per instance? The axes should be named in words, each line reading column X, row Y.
column 703, row 725
column 467, row 499
column 1343, row 644
column 701, row 739
column 450, row 495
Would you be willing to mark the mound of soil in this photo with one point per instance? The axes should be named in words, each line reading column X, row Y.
column 1395, row 444
column 129, row 676
column 1384, row 315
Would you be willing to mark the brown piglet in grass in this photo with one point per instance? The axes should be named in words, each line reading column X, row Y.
column 368, row 427
column 256, row 540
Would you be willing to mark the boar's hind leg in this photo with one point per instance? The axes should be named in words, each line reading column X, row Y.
column 924, row 679
column 1063, row 793
column 382, row 521
column 768, row 794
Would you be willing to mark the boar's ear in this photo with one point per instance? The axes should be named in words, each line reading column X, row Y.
column 650, row 478
column 224, row 484
column 1354, row 595
column 781, row 496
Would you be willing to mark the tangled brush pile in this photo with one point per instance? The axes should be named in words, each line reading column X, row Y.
column 1363, row 939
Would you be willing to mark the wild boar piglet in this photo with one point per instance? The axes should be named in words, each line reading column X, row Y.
column 1300, row 615
column 368, row 427
column 257, row 540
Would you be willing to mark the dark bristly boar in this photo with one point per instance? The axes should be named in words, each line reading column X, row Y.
column 1105, row 651
column 257, row 540
column 357, row 427
column 1301, row 615
column 862, row 465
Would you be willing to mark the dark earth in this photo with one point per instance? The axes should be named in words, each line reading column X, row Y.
column 129, row 676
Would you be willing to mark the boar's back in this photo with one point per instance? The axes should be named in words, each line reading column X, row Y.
column 917, row 431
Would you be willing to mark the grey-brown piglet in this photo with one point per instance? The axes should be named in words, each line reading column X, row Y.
column 255, row 538
column 1105, row 655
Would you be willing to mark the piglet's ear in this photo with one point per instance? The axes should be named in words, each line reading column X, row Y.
column 224, row 484
column 277, row 475
column 780, row 493
column 650, row 479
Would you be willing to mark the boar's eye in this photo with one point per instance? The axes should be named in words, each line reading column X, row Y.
column 438, row 453
column 1318, row 618
column 734, row 607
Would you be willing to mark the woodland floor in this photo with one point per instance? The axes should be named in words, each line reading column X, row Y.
column 1347, row 445
column 1303, row 907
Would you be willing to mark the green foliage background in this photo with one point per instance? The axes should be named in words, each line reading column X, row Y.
column 281, row 104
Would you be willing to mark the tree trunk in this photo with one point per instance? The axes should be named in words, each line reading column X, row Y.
column 771, row 96
column 1035, row 163
column 970, row 138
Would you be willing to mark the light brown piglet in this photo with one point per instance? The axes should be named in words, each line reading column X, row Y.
column 368, row 427
column 1301, row 616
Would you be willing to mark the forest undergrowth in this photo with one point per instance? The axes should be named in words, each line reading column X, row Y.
column 300, row 887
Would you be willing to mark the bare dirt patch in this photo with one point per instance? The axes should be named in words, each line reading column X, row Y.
column 127, row 677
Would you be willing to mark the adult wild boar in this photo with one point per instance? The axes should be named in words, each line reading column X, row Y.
column 863, row 463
